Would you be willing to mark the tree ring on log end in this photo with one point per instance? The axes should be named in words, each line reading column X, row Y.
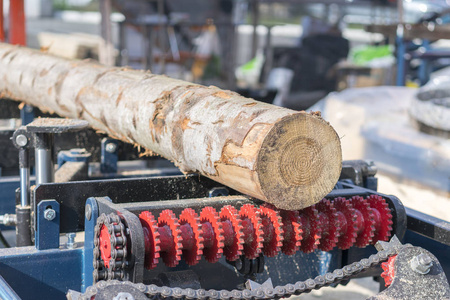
column 291, row 165
column 299, row 162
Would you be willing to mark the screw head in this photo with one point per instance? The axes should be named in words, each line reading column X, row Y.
column 21, row 140
column 88, row 212
column 111, row 147
column 49, row 214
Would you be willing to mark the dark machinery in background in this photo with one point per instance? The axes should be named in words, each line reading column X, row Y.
column 175, row 236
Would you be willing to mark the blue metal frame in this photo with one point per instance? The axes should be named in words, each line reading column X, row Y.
column 6, row 292
column 47, row 231
column 89, row 226
column 42, row 274
column 108, row 160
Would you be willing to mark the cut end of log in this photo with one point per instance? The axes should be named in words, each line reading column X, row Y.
column 299, row 162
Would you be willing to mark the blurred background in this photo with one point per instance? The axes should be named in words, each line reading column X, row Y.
column 377, row 70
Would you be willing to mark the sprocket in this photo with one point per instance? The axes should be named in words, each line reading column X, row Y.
column 151, row 239
column 383, row 218
column 190, row 227
column 330, row 225
column 212, row 252
column 230, row 214
column 251, row 222
column 168, row 223
column 273, row 230
column 365, row 218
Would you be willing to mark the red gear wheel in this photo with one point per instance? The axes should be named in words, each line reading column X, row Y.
column 233, row 248
column 347, row 220
column 273, row 230
column 292, row 228
column 253, row 233
column 192, row 234
column 388, row 270
column 311, row 225
column 105, row 245
column 171, row 253
column 383, row 218
column 366, row 226
column 214, row 251
column 151, row 239
column 330, row 225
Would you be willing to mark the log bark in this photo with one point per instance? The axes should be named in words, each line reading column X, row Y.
column 288, row 158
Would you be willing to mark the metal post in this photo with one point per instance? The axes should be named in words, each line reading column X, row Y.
column 108, row 48
column 44, row 158
column 2, row 28
column 23, row 211
column 255, row 21
column 24, row 163
column 17, row 33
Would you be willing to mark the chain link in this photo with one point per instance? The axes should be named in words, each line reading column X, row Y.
column 117, row 263
column 155, row 292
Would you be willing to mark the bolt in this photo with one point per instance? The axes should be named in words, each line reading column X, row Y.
column 421, row 263
column 111, row 147
column 123, row 296
column 49, row 214
column 88, row 212
column 71, row 240
column 28, row 108
column 21, row 140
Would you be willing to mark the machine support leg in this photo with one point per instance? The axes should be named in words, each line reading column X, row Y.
column 17, row 35
column 2, row 26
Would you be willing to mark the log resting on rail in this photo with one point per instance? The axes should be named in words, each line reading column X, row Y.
column 288, row 158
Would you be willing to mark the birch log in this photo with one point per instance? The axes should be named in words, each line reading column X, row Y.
column 288, row 158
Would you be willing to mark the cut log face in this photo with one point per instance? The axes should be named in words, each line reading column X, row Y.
column 287, row 158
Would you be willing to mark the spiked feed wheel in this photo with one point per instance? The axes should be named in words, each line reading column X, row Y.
column 347, row 223
column 170, row 236
column 233, row 233
column 364, row 220
column 250, row 231
column 273, row 229
column 253, row 234
column 383, row 218
column 151, row 239
column 311, row 229
column 212, row 228
column 292, row 229
column 192, row 236
column 330, row 226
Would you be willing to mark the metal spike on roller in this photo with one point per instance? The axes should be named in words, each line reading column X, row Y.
column 250, row 231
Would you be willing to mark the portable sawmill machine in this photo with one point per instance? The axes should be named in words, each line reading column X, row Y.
column 259, row 205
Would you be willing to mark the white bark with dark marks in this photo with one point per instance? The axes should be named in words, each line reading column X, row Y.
column 287, row 158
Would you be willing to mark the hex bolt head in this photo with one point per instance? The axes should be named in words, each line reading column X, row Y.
column 421, row 263
column 49, row 214
column 21, row 140
column 88, row 212
column 111, row 147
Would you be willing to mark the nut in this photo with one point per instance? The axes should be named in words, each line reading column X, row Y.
column 421, row 263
